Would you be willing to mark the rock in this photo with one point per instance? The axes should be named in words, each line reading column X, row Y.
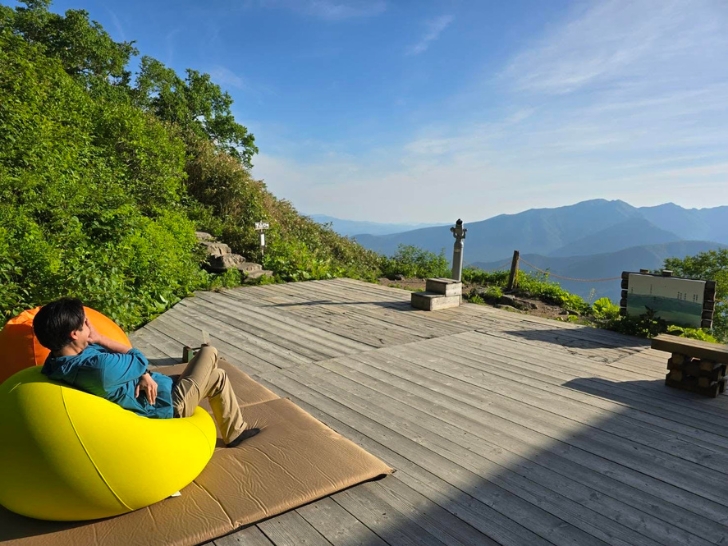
column 508, row 308
column 216, row 249
column 257, row 274
column 399, row 277
column 508, row 300
column 525, row 305
column 202, row 236
column 221, row 263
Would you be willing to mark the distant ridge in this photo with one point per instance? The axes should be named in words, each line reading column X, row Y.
column 595, row 226
column 631, row 232
column 349, row 228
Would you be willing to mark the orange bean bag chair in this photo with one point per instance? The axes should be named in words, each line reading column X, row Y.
column 19, row 348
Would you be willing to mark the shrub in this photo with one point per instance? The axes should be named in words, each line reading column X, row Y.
column 414, row 262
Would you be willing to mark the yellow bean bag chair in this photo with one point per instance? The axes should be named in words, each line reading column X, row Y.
column 20, row 349
column 67, row 455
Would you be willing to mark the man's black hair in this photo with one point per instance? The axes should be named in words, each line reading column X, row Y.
column 55, row 321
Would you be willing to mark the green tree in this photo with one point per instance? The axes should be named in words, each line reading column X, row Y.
column 195, row 104
column 710, row 265
column 84, row 48
column 90, row 195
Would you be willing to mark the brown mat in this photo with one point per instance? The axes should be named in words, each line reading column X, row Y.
column 294, row 460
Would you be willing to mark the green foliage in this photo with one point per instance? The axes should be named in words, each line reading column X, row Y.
column 229, row 279
column 85, row 50
column 475, row 298
column 89, row 196
column 294, row 261
column 692, row 333
column 473, row 275
column 196, row 105
column 538, row 286
column 493, row 293
column 604, row 309
column 711, row 265
column 646, row 325
column 413, row 262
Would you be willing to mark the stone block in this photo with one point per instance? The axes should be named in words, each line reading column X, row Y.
column 446, row 287
column 430, row 301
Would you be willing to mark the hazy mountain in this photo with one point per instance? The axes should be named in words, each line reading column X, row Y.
column 349, row 228
column 692, row 224
column 539, row 231
column 589, row 227
column 631, row 232
column 606, row 265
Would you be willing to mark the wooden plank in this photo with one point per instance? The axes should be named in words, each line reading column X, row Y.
column 249, row 326
column 250, row 536
column 458, row 367
column 644, row 386
column 248, row 361
column 290, row 328
column 337, row 525
column 538, row 508
column 691, row 347
column 510, row 471
column 396, row 315
column 679, row 410
column 448, row 485
column 573, row 369
column 274, row 354
column 290, row 529
column 276, row 318
column 162, row 342
column 366, row 431
column 382, row 518
column 428, row 515
column 450, row 381
column 638, row 506
column 593, row 386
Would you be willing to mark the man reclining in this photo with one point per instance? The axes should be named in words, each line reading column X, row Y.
column 85, row 359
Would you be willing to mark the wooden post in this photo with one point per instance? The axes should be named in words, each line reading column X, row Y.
column 513, row 277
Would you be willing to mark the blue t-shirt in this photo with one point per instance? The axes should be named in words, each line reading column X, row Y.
column 113, row 376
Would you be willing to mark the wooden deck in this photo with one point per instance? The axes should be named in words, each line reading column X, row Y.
column 503, row 428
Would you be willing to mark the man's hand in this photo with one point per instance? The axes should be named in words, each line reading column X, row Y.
column 149, row 386
column 100, row 339
column 93, row 335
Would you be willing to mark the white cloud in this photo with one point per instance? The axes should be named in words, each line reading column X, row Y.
column 615, row 42
column 337, row 10
column 434, row 29
column 332, row 10
column 621, row 100
column 225, row 77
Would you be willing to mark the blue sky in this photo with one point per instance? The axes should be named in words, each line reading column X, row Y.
column 426, row 111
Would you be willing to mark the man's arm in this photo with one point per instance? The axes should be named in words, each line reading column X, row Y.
column 105, row 341
column 125, row 370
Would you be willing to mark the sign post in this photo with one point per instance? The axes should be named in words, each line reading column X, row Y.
column 260, row 227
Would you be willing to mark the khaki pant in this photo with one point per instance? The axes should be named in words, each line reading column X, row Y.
column 203, row 379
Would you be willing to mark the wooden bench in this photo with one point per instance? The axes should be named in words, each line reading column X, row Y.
column 694, row 365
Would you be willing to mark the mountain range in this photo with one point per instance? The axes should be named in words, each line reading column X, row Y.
column 589, row 227
column 589, row 240
column 350, row 228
